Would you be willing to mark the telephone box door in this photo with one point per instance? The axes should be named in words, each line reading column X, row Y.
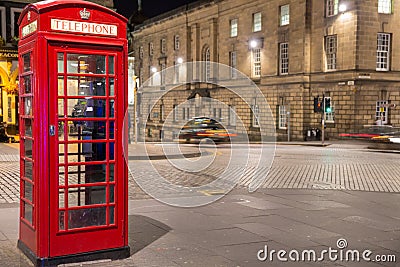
column 86, row 157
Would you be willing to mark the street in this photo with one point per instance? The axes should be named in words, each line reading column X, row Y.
column 312, row 198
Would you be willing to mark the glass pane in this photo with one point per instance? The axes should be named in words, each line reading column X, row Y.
column 87, row 130
column 28, row 167
column 112, row 152
column 87, row 174
column 111, row 86
column 112, row 200
column 76, row 174
column 80, row 63
column 112, row 219
column 61, row 126
column 28, row 212
column 60, row 62
column 112, row 129
column 28, row 127
column 82, row 196
column 86, row 108
column 111, row 172
column 61, row 224
column 60, row 85
column 27, row 62
column 86, row 86
column 95, row 173
column 61, row 198
column 28, row 191
column 27, row 106
column 60, row 108
column 112, row 109
column 28, row 148
column 111, row 64
column 86, row 217
column 61, row 175
column 26, row 83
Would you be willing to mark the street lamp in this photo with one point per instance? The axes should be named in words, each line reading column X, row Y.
column 135, row 129
column 179, row 60
column 342, row 8
column 153, row 69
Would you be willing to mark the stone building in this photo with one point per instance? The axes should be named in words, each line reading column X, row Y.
column 10, row 11
column 294, row 51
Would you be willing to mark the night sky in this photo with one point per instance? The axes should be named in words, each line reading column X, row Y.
column 151, row 8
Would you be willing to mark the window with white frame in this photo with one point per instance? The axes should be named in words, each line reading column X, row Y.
column 162, row 67
column 207, row 65
column 330, row 51
column 257, row 23
column 15, row 13
column 233, row 64
column 283, row 58
column 330, row 115
column 232, row 115
column 151, row 49
column 282, row 124
column 284, row 15
column 332, row 7
column 383, row 52
column 141, row 52
column 163, row 45
column 381, row 112
column 186, row 113
column 3, row 22
column 256, row 56
column 255, row 110
column 385, row 6
column 176, row 42
column 234, row 27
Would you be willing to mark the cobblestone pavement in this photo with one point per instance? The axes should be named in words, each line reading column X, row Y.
column 345, row 166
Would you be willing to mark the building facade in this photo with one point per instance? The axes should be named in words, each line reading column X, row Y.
column 10, row 11
column 294, row 51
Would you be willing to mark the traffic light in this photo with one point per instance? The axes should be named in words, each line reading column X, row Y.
column 317, row 105
column 327, row 105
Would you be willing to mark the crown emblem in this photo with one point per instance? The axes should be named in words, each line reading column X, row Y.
column 84, row 14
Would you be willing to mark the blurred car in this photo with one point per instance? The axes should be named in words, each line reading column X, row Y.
column 205, row 128
column 374, row 132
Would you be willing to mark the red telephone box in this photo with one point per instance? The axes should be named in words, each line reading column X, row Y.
column 73, row 88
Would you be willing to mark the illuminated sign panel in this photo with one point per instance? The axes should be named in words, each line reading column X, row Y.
column 30, row 28
column 83, row 27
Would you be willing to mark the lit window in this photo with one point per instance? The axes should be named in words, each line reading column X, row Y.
column 151, row 49
column 383, row 51
column 256, row 62
column 330, row 51
column 234, row 27
column 332, row 7
column 283, row 58
column 163, row 45
column 233, row 64
column 176, row 42
column 257, row 22
column 282, row 117
column 284, row 15
column 381, row 112
column 385, row 6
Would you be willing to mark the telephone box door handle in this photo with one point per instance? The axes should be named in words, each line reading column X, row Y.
column 52, row 130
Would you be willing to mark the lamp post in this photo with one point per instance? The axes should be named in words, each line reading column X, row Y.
column 135, row 129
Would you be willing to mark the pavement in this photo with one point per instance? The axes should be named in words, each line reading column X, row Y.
column 274, row 226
